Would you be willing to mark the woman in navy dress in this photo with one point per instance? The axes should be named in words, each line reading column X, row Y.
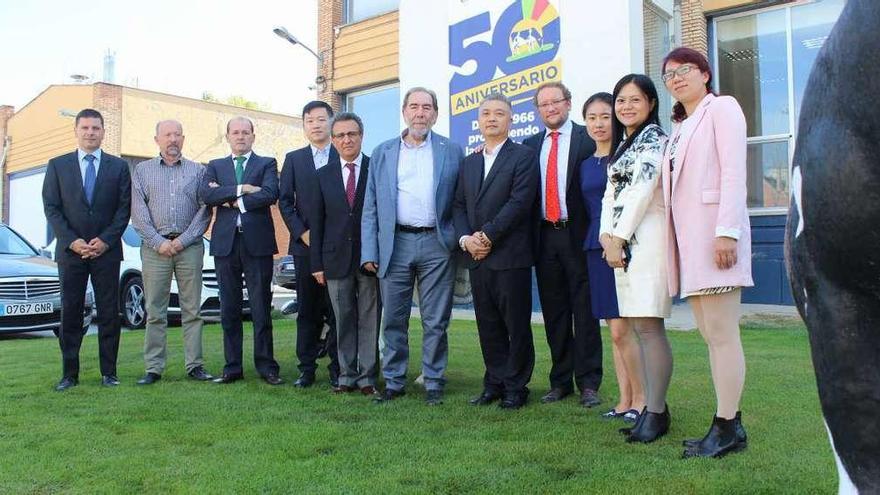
column 603, row 296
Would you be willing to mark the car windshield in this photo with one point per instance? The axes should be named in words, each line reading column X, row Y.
column 11, row 243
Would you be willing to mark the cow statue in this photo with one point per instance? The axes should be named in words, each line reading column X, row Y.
column 832, row 238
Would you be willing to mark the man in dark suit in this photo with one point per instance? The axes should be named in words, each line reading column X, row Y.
column 336, row 252
column 561, row 266
column 493, row 208
column 298, row 185
column 243, row 186
column 87, row 200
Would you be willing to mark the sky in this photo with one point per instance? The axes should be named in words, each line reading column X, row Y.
column 182, row 47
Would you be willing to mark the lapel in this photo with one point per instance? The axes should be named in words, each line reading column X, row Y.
column 228, row 170
column 101, row 179
column 499, row 162
column 574, row 147
column 337, row 181
column 361, row 183
column 438, row 148
column 77, row 174
column 392, row 161
column 250, row 168
column 685, row 137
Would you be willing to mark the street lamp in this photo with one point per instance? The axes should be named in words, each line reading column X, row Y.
column 284, row 34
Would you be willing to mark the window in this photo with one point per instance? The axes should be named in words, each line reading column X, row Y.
column 358, row 10
column 763, row 58
column 379, row 109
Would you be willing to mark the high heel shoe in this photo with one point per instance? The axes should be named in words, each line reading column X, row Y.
column 720, row 441
column 651, row 427
column 629, row 430
column 741, row 437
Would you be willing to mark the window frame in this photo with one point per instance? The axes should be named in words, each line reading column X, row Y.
column 791, row 136
column 347, row 13
column 346, row 97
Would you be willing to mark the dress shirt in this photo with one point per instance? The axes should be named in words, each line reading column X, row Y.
column 247, row 158
column 320, row 155
column 415, row 184
column 165, row 200
column 357, row 170
column 561, row 167
column 83, row 163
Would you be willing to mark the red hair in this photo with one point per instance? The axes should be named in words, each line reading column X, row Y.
column 684, row 55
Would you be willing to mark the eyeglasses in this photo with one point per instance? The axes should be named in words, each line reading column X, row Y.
column 680, row 71
column 551, row 103
column 349, row 135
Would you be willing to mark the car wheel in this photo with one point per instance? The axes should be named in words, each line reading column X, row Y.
column 134, row 311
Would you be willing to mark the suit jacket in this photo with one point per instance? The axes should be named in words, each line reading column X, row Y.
column 501, row 205
column 706, row 193
column 581, row 147
column 298, row 186
column 256, row 222
column 336, row 227
column 71, row 216
column 380, row 201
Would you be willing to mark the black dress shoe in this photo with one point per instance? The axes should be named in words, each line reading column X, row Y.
column 434, row 397
column 514, row 400
column 149, row 379
column 229, row 378
column 304, row 381
column 651, row 427
column 199, row 373
column 343, row 389
column 334, row 383
column 273, row 379
column 485, row 398
column 109, row 380
column 741, row 436
column 66, row 383
column 722, row 439
column 589, row 398
column 368, row 390
column 555, row 395
column 389, row 395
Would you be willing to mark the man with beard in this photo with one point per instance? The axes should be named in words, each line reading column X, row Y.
column 408, row 237
column 170, row 219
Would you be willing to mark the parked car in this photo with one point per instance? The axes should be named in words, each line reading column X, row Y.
column 132, row 304
column 30, row 291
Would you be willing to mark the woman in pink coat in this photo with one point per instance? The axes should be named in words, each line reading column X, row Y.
column 708, row 235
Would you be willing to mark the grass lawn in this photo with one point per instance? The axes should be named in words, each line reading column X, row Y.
column 184, row 437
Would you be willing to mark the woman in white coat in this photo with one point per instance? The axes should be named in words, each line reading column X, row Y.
column 633, row 236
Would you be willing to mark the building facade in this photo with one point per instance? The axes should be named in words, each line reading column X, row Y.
column 761, row 51
column 43, row 129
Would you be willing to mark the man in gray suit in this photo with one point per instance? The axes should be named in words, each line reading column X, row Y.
column 408, row 237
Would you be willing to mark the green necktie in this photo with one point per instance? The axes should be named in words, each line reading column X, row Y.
column 239, row 168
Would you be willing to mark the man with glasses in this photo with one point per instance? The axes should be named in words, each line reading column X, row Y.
column 561, row 266
column 335, row 257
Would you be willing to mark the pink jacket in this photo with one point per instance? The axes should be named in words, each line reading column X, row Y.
column 705, row 196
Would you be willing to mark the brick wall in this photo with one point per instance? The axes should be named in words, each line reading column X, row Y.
column 108, row 101
column 693, row 26
column 6, row 112
column 330, row 15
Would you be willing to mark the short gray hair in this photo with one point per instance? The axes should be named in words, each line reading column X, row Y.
column 420, row 89
column 347, row 116
column 168, row 121
column 241, row 118
column 498, row 97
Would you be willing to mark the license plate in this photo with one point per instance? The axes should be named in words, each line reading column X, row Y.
column 25, row 309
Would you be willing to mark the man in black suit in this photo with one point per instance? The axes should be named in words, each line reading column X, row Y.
column 243, row 186
column 336, row 252
column 87, row 200
column 561, row 266
column 493, row 208
column 298, row 185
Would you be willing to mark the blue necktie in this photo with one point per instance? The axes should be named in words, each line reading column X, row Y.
column 91, row 176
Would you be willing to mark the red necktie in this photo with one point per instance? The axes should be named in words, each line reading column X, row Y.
column 350, row 185
column 551, row 196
